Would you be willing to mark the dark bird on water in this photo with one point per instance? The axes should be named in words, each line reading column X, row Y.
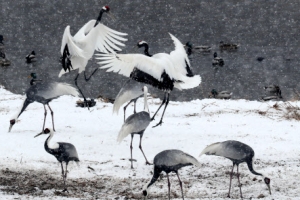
column 30, row 57
column 238, row 153
column 217, row 60
column 136, row 124
column 63, row 152
column 44, row 92
column 1, row 39
column 228, row 46
column 170, row 161
column 34, row 79
column 220, row 95
column 190, row 48
column 273, row 90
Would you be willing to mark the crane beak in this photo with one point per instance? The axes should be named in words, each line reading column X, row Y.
column 10, row 127
column 269, row 189
column 111, row 16
column 39, row 134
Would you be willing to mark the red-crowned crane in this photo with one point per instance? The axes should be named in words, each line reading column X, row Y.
column 131, row 90
column 163, row 71
column 78, row 49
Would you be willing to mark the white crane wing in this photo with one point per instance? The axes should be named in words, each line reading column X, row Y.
column 72, row 46
column 124, row 64
column 100, row 38
column 179, row 57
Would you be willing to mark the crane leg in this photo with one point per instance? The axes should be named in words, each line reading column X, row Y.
column 87, row 79
column 135, row 100
column 180, row 183
column 64, row 175
column 132, row 100
column 140, row 146
column 231, row 174
column 85, row 102
column 238, row 176
column 162, row 103
column 52, row 114
column 169, row 186
column 62, row 172
column 166, row 102
column 45, row 114
column 131, row 151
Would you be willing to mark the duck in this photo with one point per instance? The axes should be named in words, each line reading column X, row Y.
column 228, row 46
column 259, row 59
column 190, row 47
column 217, row 60
column 34, row 79
column 268, row 98
column 3, row 60
column 30, row 57
column 220, row 95
column 273, row 90
column 1, row 42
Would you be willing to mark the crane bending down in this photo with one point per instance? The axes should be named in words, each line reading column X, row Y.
column 78, row 49
column 44, row 92
column 170, row 161
column 63, row 152
column 131, row 90
column 163, row 71
column 136, row 124
column 238, row 153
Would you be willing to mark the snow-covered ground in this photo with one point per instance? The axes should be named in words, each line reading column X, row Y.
column 28, row 171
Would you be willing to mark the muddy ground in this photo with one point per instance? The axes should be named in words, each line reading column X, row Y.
column 208, row 182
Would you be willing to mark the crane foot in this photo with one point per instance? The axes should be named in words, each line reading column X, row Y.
column 65, row 190
column 159, row 124
column 147, row 163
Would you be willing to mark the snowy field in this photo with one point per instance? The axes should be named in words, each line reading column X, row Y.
column 29, row 172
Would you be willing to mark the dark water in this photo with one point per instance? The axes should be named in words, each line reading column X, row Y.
column 268, row 29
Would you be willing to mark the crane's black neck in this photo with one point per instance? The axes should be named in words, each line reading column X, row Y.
column 46, row 145
column 99, row 17
column 146, row 52
column 146, row 46
column 250, row 166
column 155, row 176
column 25, row 104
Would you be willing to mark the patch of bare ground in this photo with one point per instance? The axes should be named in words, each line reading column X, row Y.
column 209, row 181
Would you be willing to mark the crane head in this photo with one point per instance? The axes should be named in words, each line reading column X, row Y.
column 267, row 181
column 11, row 122
column 46, row 131
column 145, row 193
column 105, row 8
column 142, row 43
